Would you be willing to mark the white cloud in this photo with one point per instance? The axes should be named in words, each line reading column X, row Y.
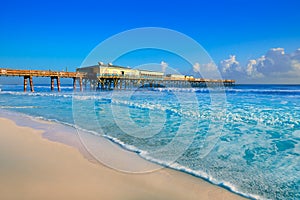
column 251, row 69
column 164, row 66
column 208, row 70
column 296, row 65
column 196, row 67
column 296, row 55
column 295, row 69
column 208, row 67
column 277, row 51
column 275, row 60
column 231, row 69
column 211, row 67
column 230, row 64
column 275, row 66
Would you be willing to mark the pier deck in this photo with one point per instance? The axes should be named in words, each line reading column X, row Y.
column 111, row 81
column 123, row 82
column 28, row 74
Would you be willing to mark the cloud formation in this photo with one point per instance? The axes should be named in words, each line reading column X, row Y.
column 275, row 66
column 208, row 70
column 196, row 67
column 164, row 66
column 230, row 65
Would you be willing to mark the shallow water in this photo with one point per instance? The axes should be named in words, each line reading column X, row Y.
column 245, row 138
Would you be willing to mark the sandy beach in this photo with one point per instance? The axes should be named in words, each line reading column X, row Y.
column 33, row 167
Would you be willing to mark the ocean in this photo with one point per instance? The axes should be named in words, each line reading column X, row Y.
column 245, row 138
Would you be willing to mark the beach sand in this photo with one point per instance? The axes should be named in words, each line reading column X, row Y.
column 33, row 167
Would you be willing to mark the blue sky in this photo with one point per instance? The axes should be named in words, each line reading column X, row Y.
column 56, row 34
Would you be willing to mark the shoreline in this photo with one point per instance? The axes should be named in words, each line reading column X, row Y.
column 195, row 187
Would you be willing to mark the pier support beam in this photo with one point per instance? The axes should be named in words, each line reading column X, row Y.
column 58, row 83
column 74, row 83
column 120, row 84
column 25, row 83
column 52, row 83
column 80, row 84
column 30, row 83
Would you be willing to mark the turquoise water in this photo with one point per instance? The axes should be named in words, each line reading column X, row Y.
column 246, row 138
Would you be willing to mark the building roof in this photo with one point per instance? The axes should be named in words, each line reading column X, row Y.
column 116, row 66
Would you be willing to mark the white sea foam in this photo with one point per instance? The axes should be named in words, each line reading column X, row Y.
column 260, row 133
column 199, row 173
column 42, row 94
column 176, row 166
column 296, row 134
column 227, row 90
column 20, row 107
column 144, row 154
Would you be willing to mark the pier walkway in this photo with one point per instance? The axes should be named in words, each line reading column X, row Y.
column 123, row 82
column 119, row 81
column 28, row 74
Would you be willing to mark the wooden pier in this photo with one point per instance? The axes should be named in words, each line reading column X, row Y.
column 107, row 77
column 123, row 82
column 29, row 74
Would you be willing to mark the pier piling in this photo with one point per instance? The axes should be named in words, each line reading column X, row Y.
column 74, row 83
column 58, row 83
column 25, row 83
column 80, row 84
column 30, row 83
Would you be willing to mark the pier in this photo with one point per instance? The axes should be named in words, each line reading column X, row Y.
column 120, row 82
column 107, row 77
column 29, row 74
